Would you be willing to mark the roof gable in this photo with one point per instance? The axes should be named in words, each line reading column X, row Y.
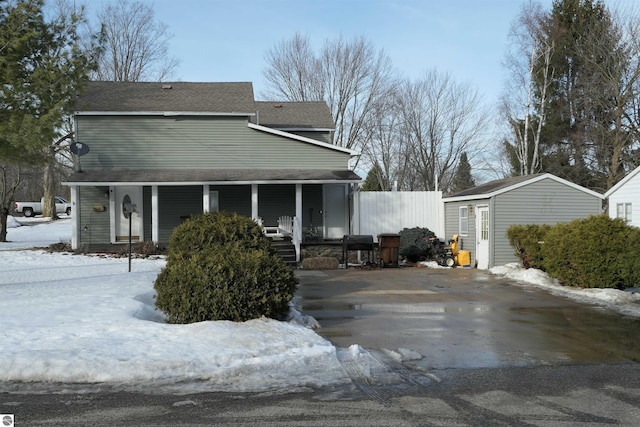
column 622, row 182
column 166, row 97
column 494, row 188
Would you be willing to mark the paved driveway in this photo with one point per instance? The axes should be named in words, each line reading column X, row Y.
column 462, row 318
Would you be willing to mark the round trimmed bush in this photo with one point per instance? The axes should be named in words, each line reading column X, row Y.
column 222, row 267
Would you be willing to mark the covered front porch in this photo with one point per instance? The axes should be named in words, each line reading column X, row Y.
column 307, row 210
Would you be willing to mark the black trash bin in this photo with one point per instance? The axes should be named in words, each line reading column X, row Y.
column 389, row 244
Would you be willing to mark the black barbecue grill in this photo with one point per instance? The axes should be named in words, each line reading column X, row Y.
column 356, row 243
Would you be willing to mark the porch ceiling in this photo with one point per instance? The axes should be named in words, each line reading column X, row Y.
column 212, row 176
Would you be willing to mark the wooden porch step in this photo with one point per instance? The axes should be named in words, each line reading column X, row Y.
column 286, row 250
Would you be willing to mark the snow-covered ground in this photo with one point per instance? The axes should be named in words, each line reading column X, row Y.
column 84, row 319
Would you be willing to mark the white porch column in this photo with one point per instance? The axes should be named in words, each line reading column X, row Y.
column 205, row 198
column 155, row 226
column 75, row 222
column 298, row 221
column 254, row 201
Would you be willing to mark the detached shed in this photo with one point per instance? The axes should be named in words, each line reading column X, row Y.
column 482, row 215
column 624, row 198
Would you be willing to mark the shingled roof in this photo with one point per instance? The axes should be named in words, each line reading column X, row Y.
column 294, row 115
column 493, row 186
column 167, row 97
column 499, row 186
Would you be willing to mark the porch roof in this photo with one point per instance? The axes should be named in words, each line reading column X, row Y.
column 212, row 176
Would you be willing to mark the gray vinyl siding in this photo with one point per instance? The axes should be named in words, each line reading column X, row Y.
column 94, row 224
column 318, row 136
column 452, row 225
column 158, row 142
column 542, row 202
column 175, row 204
column 235, row 199
column 275, row 201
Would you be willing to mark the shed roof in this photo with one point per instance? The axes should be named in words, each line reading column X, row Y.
column 166, row 97
column 622, row 182
column 494, row 188
column 313, row 115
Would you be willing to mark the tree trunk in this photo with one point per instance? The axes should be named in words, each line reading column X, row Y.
column 49, row 206
column 4, row 214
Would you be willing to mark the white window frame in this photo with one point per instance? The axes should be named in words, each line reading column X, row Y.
column 463, row 220
column 623, row 211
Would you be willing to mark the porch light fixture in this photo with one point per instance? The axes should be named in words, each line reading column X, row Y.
column 470, row 209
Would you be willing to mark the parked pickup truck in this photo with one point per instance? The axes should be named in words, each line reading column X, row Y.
column 35, row 208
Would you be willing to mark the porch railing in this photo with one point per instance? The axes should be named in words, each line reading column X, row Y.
column 291, row 226
column 287, row 226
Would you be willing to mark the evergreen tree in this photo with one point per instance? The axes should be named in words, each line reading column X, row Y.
column 462, row 180
column 41, row 69
column 374, row 179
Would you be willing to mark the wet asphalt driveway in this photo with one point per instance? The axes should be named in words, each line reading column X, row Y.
column 462, row 318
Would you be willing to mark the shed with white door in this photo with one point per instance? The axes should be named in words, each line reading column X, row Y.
column 482, row 215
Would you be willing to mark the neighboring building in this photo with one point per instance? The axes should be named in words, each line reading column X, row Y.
column 482, row 215
column 624, row 198
column 181, row 149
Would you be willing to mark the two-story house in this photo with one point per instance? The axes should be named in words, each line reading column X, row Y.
column 179, row 149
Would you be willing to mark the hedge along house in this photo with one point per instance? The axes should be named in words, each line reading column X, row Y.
column 181, row 149
column 624, row 199
column 482, row 215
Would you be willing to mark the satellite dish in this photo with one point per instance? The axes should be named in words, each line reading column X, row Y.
column 79, row 148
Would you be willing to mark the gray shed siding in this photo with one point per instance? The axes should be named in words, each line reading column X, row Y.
column 452, row 225
column 158, row 142
column 543, row 202
column 94, row 224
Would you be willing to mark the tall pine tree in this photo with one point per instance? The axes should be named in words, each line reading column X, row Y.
column 462, row 180
column 41, row 69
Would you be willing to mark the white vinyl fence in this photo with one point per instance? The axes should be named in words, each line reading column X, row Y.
column 377, row 212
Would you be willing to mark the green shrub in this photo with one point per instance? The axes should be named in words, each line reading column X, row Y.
column 527, row 241
column 596, row 252
column 415, row 244
column 222, row 267
column 630, row 252
column 213, row 229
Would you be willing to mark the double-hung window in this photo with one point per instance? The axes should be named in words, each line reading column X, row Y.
column 464, row 221
column 623, row 211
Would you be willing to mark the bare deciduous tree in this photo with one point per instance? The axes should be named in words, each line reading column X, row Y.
column 135, row 46
column 440, row 119
column 294, row 71
column 349, row 75
column 527, row 89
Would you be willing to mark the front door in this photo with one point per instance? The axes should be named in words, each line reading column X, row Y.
column 482, row 237
column 125, row 197
column 335, row 204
